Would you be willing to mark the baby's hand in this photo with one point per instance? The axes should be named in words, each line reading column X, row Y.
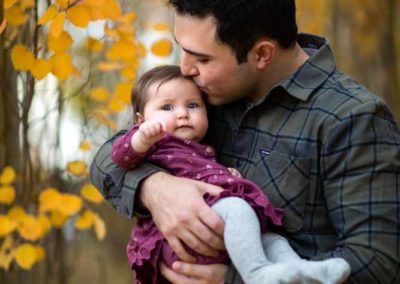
column 234, row 172
column 149, row 132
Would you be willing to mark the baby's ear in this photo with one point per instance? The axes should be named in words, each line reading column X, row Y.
column 138, row 118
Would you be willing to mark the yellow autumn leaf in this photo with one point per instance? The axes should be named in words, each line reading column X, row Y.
column 9, row 3
column 49, row 15
column 61, row 65
column 58, row 219
column 63, row 3
column 108, row 66
column 122, row 50
column 40, row 68
column 40, row 253
column 26, row 4
column 69, row 204
column 7, row 194
column 162, row 27
column 25, row 256
column 85, row 145
column 94, row 45
column 90, row 193
column 79, row 15
column 142, row 50
column 123, row 91
column 129, row 72
column 127, row 18
column 22, row 58
column 99, row 228
column 60, row 44
column 162, row 47
column 85, row 220
column 99, row 94
column 45, row 225
column 111, row 9
column 6, row 253
column 7, row 225
column 7, row 176
column 115, row 104
column 16, row 213
column 30, row 228
column 78, row 168
column 15, row 16
column 94, row 3
column 48, row 199
column 57, row 25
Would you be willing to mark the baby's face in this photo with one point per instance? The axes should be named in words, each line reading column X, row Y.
column 180, row 105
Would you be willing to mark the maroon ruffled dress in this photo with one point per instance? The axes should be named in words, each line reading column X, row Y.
column 192, row 160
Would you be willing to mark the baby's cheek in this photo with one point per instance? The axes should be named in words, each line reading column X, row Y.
column 171, row 123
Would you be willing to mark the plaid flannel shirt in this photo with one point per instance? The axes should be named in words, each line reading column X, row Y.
column 324, row 149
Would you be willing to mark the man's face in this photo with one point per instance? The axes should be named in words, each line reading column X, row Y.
column 212, row 64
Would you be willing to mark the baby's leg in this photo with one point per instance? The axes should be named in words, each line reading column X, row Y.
column 278, row 250
column 243, row 242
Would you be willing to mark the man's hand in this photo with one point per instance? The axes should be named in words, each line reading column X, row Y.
column 149, row 132
column 181, row 214
column 235, row 172
column 186, row 273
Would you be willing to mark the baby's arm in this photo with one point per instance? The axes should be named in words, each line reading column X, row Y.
column 128, row 150
column 149, row 132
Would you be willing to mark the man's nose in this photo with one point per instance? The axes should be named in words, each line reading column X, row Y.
column 188, row 66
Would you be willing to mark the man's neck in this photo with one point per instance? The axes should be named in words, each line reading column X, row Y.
column 284, row 64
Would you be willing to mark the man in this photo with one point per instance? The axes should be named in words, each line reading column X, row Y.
column 320, row 145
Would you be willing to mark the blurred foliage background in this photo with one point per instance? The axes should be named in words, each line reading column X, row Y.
column 66, row 71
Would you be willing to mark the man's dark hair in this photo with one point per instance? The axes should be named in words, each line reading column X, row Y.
column 240, row 23
column 159, row 75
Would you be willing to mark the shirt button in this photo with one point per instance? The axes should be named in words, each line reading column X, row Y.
column 238, row 163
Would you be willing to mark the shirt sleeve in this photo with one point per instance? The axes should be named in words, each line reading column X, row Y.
column 361, row 173
column 120, row 186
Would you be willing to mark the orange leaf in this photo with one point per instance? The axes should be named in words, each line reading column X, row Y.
column 85, row 220
column 99, row 228
column 48, row 199
column 9, row 3
column 162, row 47
column 123, row 91
column 78, row 168
column 25, row 256
column 40, row 68
column 15, row 16
column 57, row 25
column 30, row 228
column 69, row 204
column 99, row 94
column 60, row 44
column 7, row 225
column 49, row 15
column 108, row 66
column 90, row 193
column 7, row 175
column 79, row 15
column 85, row 146
column 61, row 65
column 7, row 194
column 93, row 44
column 22, row 58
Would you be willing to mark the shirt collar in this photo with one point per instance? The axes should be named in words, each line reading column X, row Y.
column 314, row 72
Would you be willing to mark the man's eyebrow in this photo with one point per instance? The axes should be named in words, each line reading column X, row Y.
column 195, row 53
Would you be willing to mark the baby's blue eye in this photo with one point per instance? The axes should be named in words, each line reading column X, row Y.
column 166, row 107
column 193, row 105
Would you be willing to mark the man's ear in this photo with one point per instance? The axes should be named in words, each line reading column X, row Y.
column 264, row 51
column 138, row 118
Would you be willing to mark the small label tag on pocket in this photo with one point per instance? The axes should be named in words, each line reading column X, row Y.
column 264, row 152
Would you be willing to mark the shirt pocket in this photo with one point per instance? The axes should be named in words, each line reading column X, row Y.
column 285, row 180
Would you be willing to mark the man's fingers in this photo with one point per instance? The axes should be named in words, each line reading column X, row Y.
column 180, row 251
column 171, row 275
column 213, row 272
column 210, row 243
